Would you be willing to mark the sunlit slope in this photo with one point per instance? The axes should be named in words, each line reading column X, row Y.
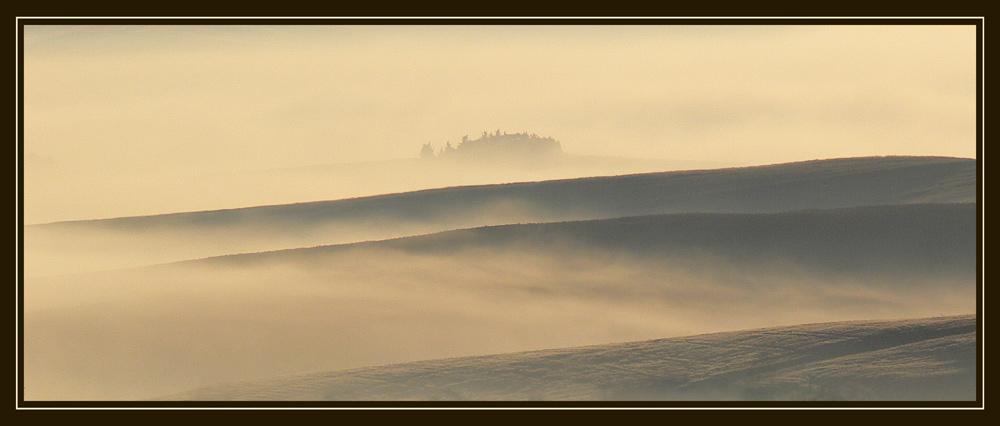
column 155, row 330
column 132, row 241
column 919, row 359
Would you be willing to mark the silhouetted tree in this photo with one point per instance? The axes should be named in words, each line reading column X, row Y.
column 427, row 151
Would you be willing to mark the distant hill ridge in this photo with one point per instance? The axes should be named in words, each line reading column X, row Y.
column 900, row 240
column 831, row 183
column 821, row 184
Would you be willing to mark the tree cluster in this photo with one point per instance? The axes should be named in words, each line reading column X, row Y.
column 496, row 143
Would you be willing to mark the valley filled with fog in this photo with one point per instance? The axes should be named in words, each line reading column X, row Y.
column 552, row 276
column 519, row 211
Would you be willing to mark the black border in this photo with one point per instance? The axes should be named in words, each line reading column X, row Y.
column 290, row 19
column 497, row 21
column 20, row 215
column 980, row 124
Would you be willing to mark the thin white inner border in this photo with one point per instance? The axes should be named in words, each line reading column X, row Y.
column 17, row 172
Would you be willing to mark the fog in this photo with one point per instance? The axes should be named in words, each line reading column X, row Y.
column 135, row 335
column 208, row 204
column 86, row 246
column 129, row 120
column 151, row 331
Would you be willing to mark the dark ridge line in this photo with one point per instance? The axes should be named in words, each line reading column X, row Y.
column 234, row 256
column 494, row 185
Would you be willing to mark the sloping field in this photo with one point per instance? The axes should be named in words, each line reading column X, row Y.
column 147, row 331
column 920, row 359
column 67, row 247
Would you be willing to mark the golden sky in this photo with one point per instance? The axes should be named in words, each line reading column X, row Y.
column 134, row 102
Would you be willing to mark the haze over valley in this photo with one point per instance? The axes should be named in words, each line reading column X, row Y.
column 527, row 286
column 134, row 241
column 651, row 213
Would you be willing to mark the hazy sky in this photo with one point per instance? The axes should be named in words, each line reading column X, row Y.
column 131, row 102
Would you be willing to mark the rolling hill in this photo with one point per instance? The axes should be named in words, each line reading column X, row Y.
column 67, row 247
column 145, row 331
column 915, row 239
column 901, row 360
